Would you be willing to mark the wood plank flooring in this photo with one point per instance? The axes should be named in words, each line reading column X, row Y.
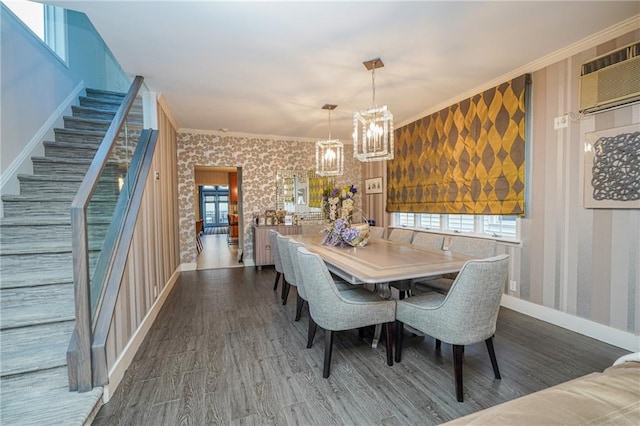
column 224, row 350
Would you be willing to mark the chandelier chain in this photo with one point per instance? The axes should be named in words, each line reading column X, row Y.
column 373, row 83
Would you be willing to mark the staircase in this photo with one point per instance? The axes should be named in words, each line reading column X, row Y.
column 37, row 305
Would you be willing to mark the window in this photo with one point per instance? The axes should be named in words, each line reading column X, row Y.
column 47, row 22
column 214, row 202
column 503, row 227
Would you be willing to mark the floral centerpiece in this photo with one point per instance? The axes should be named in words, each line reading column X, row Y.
column 339, row 202
column 339, row 206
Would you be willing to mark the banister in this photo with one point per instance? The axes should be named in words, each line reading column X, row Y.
column 82, row 377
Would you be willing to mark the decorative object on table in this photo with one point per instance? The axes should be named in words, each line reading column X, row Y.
column 329, row 152
column 373, row 128
column 612, row 168
column 339, row 202
column 373, row 185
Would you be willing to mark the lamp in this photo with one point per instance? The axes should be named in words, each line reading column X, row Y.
column 373, row 128
column 329, row 153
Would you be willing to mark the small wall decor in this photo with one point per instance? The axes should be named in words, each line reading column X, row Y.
column 373, row 185
column 612, row 168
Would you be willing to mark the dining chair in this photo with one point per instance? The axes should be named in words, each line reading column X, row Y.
column 275, row 253
column 400, row 235
column 334, row 310
column 287, row 266
column 301, row 297
column 478, row 248
column 376, row 232
column 427, row 240
column 466, row 315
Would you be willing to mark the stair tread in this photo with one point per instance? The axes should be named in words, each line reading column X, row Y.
column 38, row 281
column 51, row 220
column 35, row 348
column 80, row 131
column 55, row 198
column 36, row 305
column 105, row 92
column 50, row 178
column 61, row 160
column 12, row 248
column 44, row 398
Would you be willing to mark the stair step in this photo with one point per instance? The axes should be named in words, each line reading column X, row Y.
column 34, row 205
column 28, row 270
column 101, row 104
column 36, row 305
column 84, row 150
column 72, row 135
column 31, row 232
column 28, row 349
column 59, row 166
column 43, row 398
column 78, row 123
column 105, row 94
column 43, row 184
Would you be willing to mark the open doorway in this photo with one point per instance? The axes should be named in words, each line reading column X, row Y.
column 218, row 207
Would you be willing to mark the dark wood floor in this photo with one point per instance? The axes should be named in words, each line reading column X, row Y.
column 225, row 351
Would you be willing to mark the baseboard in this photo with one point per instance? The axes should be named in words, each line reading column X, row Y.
column 37, row 139
column 612, row 336
column 122, row 363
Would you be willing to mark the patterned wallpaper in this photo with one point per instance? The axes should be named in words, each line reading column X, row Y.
column 260, row 158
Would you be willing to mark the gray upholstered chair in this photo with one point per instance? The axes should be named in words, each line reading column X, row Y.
column 400, row 235
column 427, row 240
column 297, row 274
column 287, row 266
column 478, row 248
column 376, row 232
column 335, row 310
column 466, row 315
column 273, row 239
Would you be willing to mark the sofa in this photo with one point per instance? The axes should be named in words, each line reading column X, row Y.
column 611, row 397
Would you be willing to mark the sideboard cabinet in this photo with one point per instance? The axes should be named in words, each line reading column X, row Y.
column 262, row 244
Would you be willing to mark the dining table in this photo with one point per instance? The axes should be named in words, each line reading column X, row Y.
column 382, row 261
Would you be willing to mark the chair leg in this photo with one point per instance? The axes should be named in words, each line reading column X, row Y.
column 286, row 289
column 438, row 344
column 275, row 284
column 299, row 305
column 328, row 346
column 388, row 329
column 492, row 355
column 311, row 333
column 401, row 294
column 457, row 366
column 399, row 338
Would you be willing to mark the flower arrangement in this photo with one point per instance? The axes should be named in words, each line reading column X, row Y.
column 339, row 205
column 339, row 202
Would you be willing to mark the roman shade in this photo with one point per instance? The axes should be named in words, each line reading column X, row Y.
column 468, row 158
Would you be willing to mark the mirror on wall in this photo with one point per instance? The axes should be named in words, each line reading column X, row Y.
column 300, row 192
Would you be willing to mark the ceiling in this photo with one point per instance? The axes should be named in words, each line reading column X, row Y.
column 268, row 67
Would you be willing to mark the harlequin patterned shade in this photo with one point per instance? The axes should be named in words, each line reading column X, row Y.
column 468, row 158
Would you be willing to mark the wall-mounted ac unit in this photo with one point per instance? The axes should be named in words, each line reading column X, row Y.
column 610, row 80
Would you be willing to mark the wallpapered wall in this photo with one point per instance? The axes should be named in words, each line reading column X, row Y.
column 260, row 158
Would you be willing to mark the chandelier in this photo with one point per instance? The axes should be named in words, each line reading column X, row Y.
column 329, row 152
column 373, row 128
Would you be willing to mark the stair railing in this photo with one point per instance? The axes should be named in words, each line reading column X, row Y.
column 79, row 353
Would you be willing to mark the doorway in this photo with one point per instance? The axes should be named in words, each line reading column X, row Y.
column 218, row 203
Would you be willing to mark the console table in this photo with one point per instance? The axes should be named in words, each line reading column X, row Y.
column 262, row 244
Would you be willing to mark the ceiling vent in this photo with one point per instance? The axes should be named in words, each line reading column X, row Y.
column 611, row 80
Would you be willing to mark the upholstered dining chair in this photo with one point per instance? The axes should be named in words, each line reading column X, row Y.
column 335, row 310
column 400, row 235
column 287, row 266
column 427, row 240
column 275, row 253
column 297, row 276
column 376, row 232
column 466, row 315
column 478, row 248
